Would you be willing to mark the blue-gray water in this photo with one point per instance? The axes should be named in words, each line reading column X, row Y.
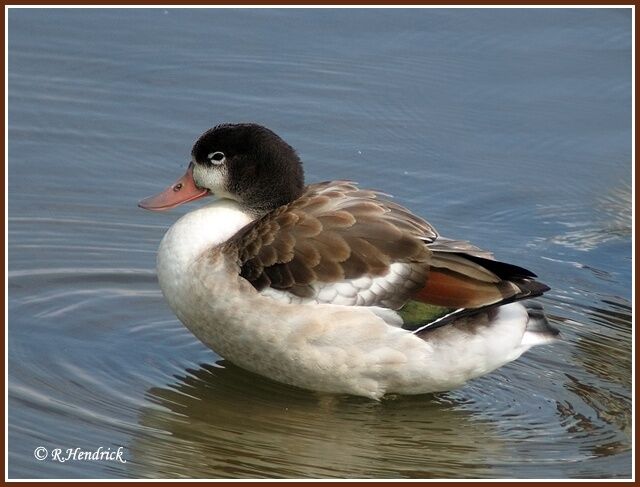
column 509, row 128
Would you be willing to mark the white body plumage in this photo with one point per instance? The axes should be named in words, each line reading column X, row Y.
column 328, row 347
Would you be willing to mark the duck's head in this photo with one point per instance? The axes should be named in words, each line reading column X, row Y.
column 245, row 162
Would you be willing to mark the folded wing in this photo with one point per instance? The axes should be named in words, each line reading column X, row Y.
column 360, row 242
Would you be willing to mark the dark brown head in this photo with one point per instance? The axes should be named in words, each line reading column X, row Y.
column 244, row 162
column 248, row 163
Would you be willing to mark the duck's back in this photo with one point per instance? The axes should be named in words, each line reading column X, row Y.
column 339, row 244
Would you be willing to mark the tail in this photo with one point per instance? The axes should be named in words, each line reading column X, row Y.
column 539, row 330
column 473, row 280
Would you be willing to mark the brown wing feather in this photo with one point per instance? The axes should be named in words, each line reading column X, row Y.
column 334, row 231
column 464, row 276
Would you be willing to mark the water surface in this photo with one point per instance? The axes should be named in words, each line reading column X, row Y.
column 510, row 128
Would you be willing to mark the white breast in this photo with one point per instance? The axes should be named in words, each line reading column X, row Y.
column 191, row 236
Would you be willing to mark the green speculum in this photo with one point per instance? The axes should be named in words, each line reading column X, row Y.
column 416, row 313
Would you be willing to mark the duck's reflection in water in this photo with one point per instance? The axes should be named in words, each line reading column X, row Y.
column 223, row 422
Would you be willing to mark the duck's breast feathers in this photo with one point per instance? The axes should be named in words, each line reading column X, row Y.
column 332, row 233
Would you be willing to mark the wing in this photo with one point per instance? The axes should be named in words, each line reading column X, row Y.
column 343, row 245
column 464, row 276
column 334, row 233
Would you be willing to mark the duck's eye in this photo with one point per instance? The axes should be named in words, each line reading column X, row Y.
column 216, row 158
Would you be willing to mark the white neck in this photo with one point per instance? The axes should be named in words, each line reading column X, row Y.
column 193, row 234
